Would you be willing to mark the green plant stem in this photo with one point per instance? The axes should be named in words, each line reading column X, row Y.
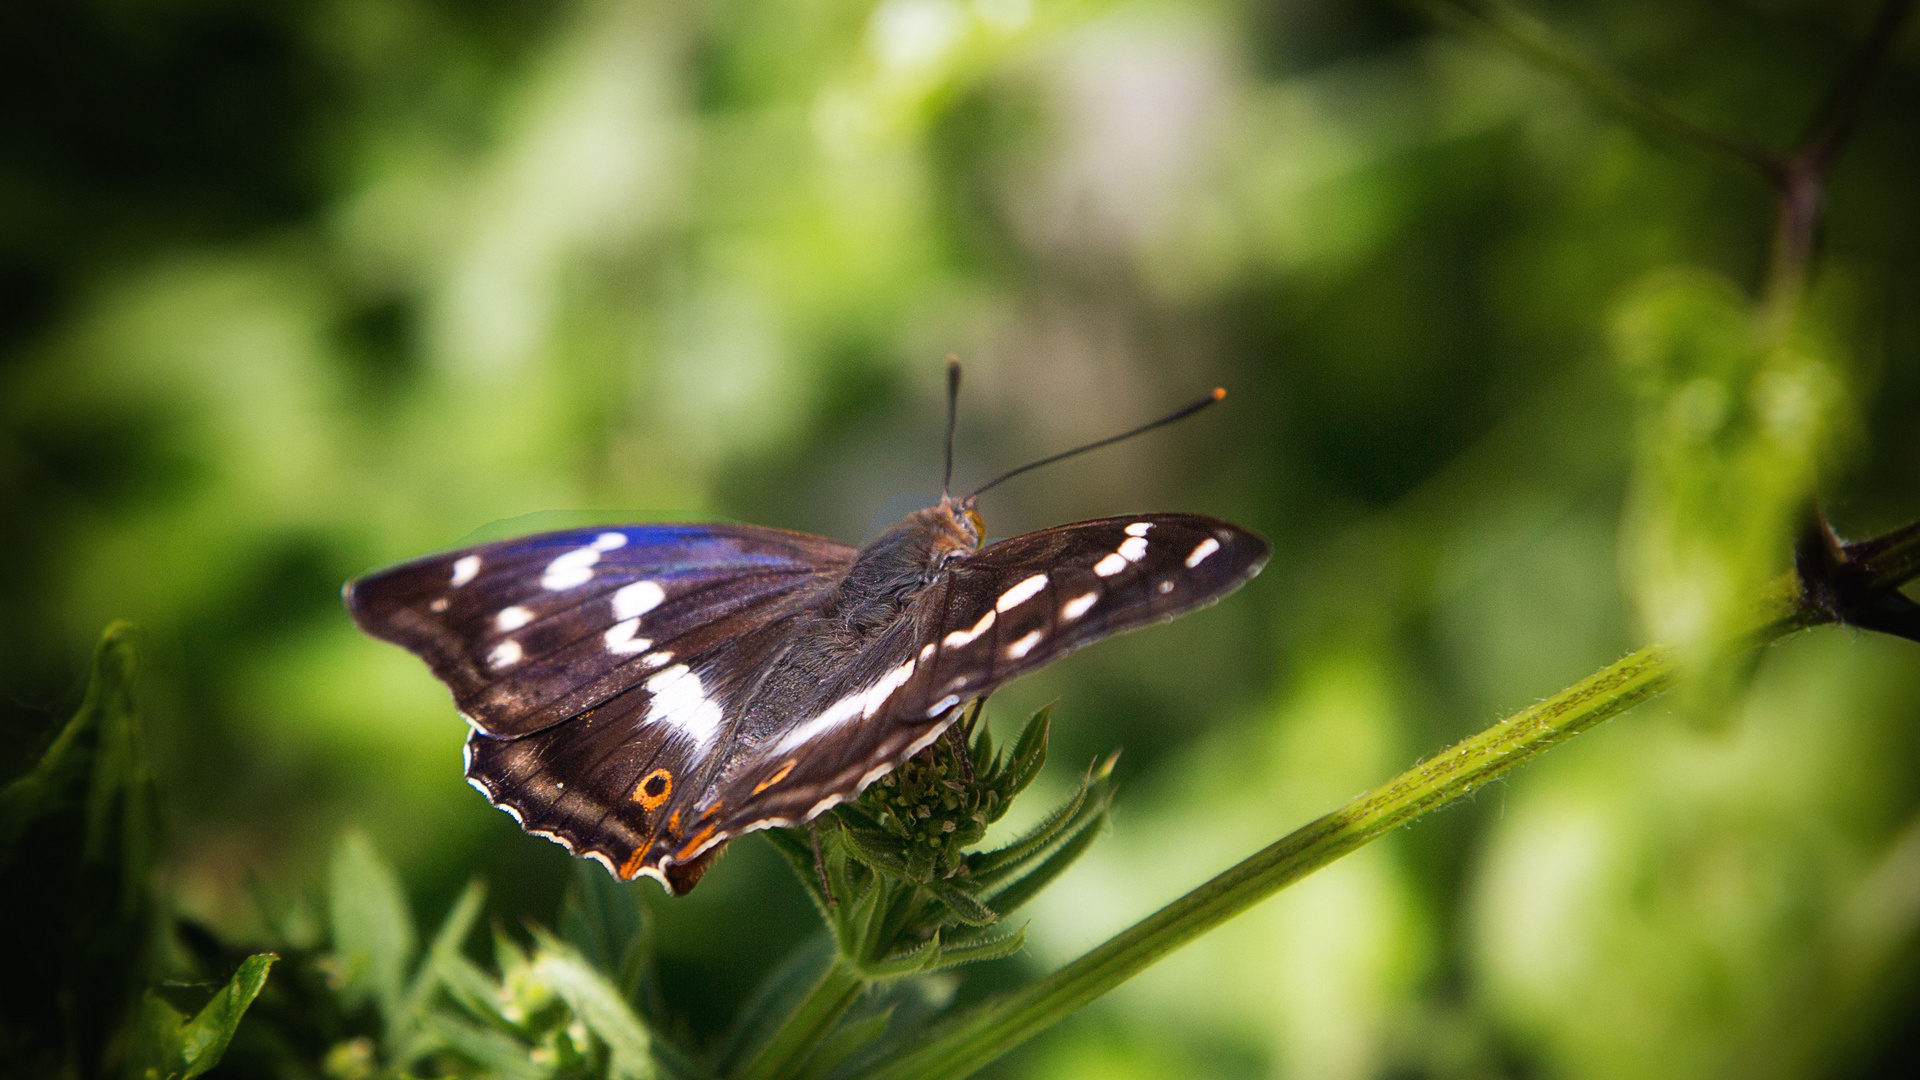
column 811, row 1021
column 996, row 1027
column 989, row 1030
column 1531, row 41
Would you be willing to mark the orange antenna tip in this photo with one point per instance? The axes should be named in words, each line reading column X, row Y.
column 1219, row 393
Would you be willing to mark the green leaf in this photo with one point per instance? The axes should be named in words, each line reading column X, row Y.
column 851, row 1038
column 447, row 941
column 607, row 921
column 775, row 999
column 1738, row 417
column 498, row 1053
column 1015, row 894
column 996, row 947
column 1029, row 754
column 911, row 962
column 168, row 1046
column 793, row 846
column 598, row 1004
column 97, row 758
column 963, row 904
column 373, row 933
column 471, row 989
column 859, row 921
column 986, row 866
column 1090, row 802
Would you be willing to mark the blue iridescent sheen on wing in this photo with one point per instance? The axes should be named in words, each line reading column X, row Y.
column 519, row 629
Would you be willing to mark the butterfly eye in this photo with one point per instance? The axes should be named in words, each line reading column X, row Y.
column 978, row 526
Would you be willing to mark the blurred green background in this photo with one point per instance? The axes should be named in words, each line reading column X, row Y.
column 289, row 291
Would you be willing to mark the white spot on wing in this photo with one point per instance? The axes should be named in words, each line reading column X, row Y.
column 572, row 569
column 679, row 700
column 882, row 690
column 926, row 653
column 465, row 569
column 1024, row 646
column 1020, row 593
column 505, row 654
column 1133, row 548
column 637, row 599
column 1139, row 528
column 655, row 659
column 513, row 618
column 835, row 714
column 860, row 703
column 942, row 705
column 1201, row 550
column 1078, row 606
column 1110, row 565
column 965, row 637
column 620, row 638
column 608, row 541
column 439, row 605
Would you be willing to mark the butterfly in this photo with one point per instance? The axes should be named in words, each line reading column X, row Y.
column 643, row 694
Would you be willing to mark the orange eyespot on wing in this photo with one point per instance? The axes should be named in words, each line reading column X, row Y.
column 654, row 790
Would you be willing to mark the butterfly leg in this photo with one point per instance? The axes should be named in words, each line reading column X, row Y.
column 957, row 743
column 820, row 865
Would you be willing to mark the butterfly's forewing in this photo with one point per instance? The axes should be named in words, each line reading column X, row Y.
column 531, row 632
column 1010, row 608
column 1027, row 601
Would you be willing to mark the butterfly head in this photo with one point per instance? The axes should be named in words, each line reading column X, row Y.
column 947, row 529
column 966, row 520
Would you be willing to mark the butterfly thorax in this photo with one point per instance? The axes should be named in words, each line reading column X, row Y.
column 899, row 563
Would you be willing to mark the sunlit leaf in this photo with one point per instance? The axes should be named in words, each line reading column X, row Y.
column 373, row 932
column 852, row 1037
column 1737, row 419
column 169, row 1046
column 600, row 1005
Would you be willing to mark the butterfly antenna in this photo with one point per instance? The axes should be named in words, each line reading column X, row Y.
column 1181, row 413
column 953, row 412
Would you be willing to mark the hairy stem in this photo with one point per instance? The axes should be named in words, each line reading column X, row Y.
column 977, row 1037
column 996, row 1027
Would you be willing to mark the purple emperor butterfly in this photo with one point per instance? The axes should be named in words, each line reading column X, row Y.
column 642, row 694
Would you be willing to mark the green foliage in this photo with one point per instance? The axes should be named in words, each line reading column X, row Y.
column 546, row 1012
column 895, row 877
column 921, row 900
column 1738, row 421
column 78, row 846
column 382, row 273
column 167, row 1045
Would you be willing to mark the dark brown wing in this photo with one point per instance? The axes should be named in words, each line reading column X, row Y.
column 1011, row 608
column 531, row 632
